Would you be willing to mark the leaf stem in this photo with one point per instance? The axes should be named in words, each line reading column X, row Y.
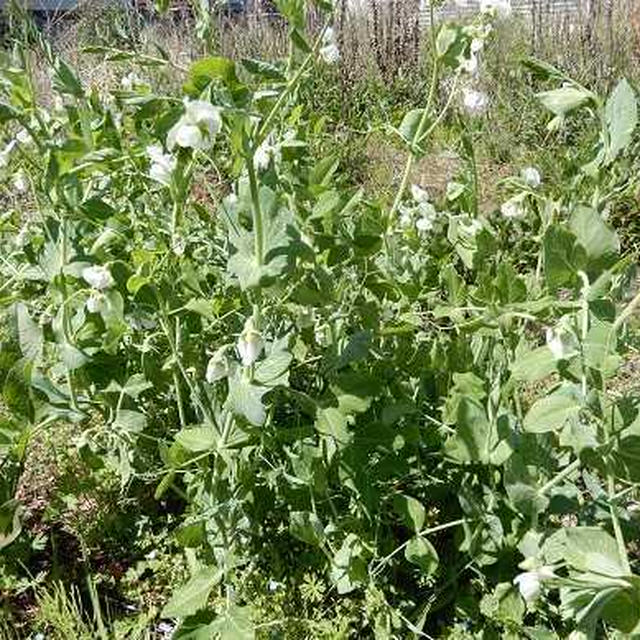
column 425, row 532
column 263, row 131
column 258, row 221
column 559, row 477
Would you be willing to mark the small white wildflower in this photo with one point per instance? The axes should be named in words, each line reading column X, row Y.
column 406, row 217
column 131, row 81
column 531, row 177
column 470, row 65
column 5, row 154
column 273, row 585
column 529, row 583
column 178, row 245
column 477, row 44
column 471, row 228
column 96, row 302
column 24, row 137
column 513, row 208
column 329, row 51
column 162, row 164
column 23, row 237
column 218, row 367
column 419, row 194
column 561, row 342
column 427, row 215
column 20, row 183
column 501, row 7
column 475, row 102
column 98, row 277
column 264, row 153
column 250, row 343
column 197, row 128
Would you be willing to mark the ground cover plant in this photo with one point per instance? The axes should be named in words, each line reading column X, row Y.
column 270, row 402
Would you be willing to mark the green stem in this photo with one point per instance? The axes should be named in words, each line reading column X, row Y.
column 174, row 352
column 617, row 529
column 176, row 381
column 559, row 477
column 423, row 120
column 263, row 131
column 425, row 532
column 258, row 221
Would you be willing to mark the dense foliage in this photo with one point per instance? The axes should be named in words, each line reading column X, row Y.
column 395, row 413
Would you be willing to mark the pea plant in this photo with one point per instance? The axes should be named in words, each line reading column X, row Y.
column 418, row 396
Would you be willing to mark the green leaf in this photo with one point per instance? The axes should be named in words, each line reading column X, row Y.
column 409, row 126
column 97, row 209
column 198, row 439
column 203, row 72
column 411, row 511
column 10, row 522
column 245, row 399
column 299, row 40
column 447, row 35
column 533, row 365
column 474, row 439
column 233, row 624
column 263, row 69
column 592, row 549
column 65, row 80
column 551, row 412
column 599, row 240
column 201, row 306
column 599, row 348
column 332, row 423
column 192, row 596
column 563, row 257
column 72, row 357
column 132, row 421
column 348, row 569
column 564, row 100
column 306, row 526
column 29, row 335
column 621, row 113
column 421, row 552
column 273, row 370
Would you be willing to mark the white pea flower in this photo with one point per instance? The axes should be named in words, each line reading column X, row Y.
column 264, row 153
column 561, row 342
column 274, row 585
column 131, row 81
column 98, row 277
column 218, row 367
column 23, row 237
column 96, row 302
column 470, row 65
column 250, row 343
column 24, row 137
column 531, row 177
column 329, row 51
column 501, row 7
column 419, row 194
column 20, row 183
column 475, row 102
column 5, row 154
column 162, row 164
column 513, row 208
column 471, row 228
column 477, row 44
column 197, row 128
column 178, row 245
column 427, row 215
column 529, row 583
